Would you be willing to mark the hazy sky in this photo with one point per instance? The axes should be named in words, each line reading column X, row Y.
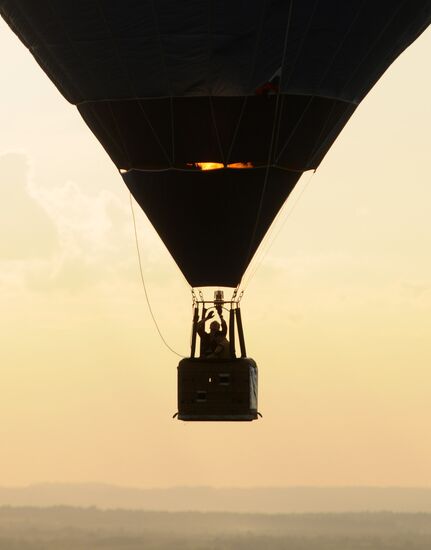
column 338, row 316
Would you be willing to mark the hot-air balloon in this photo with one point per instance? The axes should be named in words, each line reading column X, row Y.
column 211, row 112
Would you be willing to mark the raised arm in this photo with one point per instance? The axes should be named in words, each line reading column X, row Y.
column 200, row 325
column 223, row 325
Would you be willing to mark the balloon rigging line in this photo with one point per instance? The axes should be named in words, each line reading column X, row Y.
column 132, row 88
column 120, row 135
column 376, row 40
column 265, row 252
column 299, row 50
column 161, row 50
column 83, row 59
column 277, row 123
column 150, row 309
column 207, row 81
column 321, row 81
column 274, row 128
column 217, row 133
column 250, row 81
column 271, row 239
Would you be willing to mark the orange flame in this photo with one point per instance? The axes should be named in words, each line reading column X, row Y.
column 209, row 165
column 240, row 165
column 219, row 165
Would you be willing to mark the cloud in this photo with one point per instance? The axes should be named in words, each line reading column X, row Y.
column 26, row 231
column 415, row 290
column 66, row 237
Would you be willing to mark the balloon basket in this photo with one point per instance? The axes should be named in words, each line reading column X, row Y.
column 217, row 390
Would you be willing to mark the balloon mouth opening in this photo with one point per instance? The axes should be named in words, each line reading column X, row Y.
column 219, row 165
column 199, row 166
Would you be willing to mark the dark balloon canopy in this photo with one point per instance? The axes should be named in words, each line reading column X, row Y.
column 165, row 85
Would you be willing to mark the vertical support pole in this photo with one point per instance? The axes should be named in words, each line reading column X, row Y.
column 232, row 332
column 194, row 330
column 240, row 332
column 204, row 312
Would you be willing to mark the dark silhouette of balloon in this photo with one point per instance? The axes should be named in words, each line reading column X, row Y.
column 165, row 85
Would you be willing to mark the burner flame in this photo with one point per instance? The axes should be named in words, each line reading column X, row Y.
column 219, row 165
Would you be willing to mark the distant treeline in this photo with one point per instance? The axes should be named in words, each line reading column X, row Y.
column 66, row 528
column 259, row 500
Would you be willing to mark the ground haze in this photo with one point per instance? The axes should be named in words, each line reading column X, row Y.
column 64, row 528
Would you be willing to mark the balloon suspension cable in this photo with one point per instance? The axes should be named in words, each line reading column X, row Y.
column 237, row 296
column 235, row 292
column 275, row 124
column 270, row 239
column 150, row 309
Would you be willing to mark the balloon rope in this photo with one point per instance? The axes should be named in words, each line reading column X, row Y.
column 269, row 242
column 250, row 80
column 311, row 98
column 133, row 91
column 273, row 133
column 150, row 309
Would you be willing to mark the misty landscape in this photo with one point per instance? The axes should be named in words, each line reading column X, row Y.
column 159, row 162
column 97, row 516
column 68, row 528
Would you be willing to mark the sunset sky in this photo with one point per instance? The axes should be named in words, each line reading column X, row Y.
column 337, row 316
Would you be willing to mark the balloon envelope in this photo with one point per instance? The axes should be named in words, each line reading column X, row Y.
column 166, row 84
